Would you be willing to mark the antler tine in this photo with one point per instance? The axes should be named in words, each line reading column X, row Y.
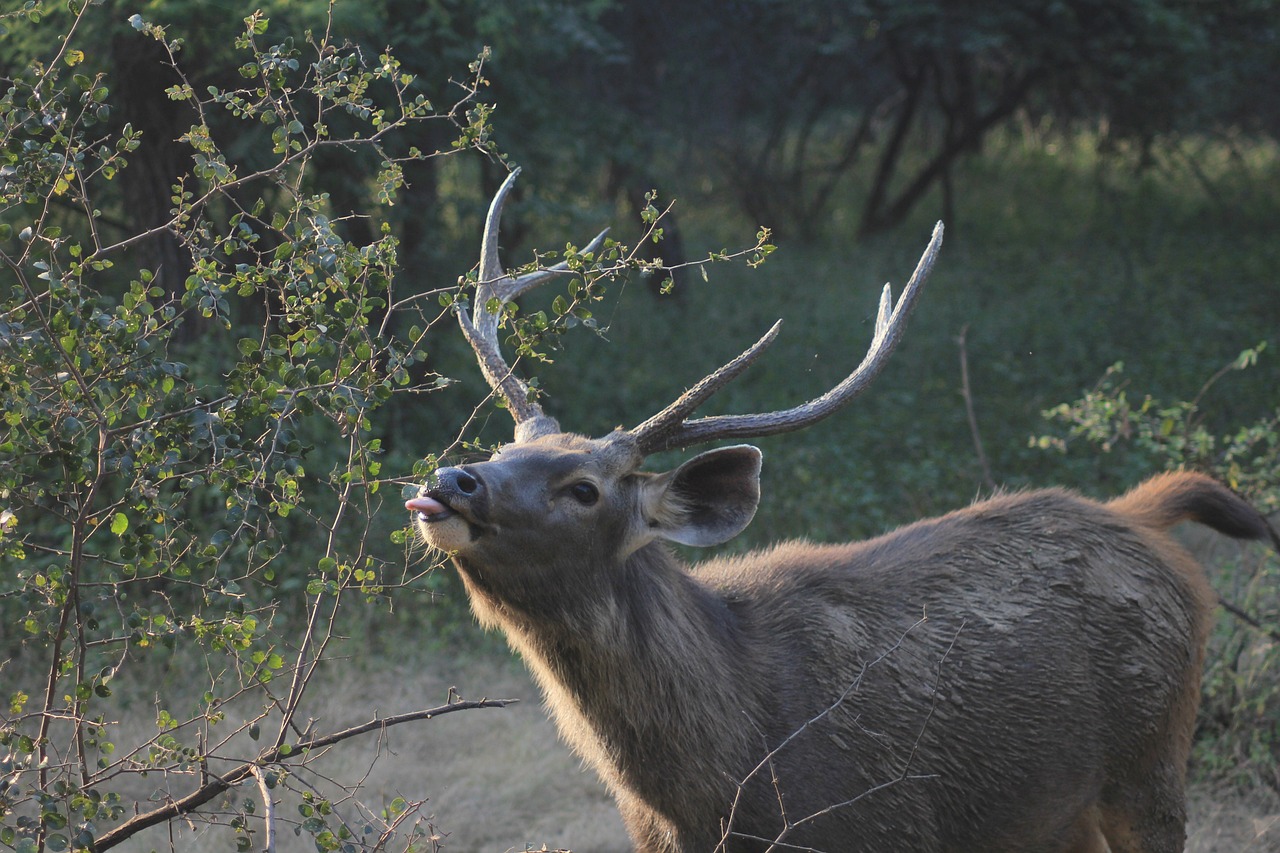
column 885, row 313
column 481, row 328
column 490, row 265
column 480, row 325
column 513, row 287
column 668, row 429
column 702, row 391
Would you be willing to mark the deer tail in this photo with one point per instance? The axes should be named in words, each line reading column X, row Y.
column 1167, row 499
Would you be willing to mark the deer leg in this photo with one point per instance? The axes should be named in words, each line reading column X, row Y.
column 1085, row 835
column 1150, row 815
column 649, row 832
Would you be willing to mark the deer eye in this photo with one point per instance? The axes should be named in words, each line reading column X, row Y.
column 584, row 493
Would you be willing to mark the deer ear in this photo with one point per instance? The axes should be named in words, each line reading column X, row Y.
column 707, row 500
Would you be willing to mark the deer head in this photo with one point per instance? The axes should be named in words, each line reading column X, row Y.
column 550, row 499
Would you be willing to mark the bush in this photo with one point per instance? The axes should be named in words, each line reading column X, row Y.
column 159, row 494
column 191, row 478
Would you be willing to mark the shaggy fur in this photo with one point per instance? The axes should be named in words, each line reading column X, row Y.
column 1021, row 675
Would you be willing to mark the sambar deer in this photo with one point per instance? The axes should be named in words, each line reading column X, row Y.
column 1021, row 675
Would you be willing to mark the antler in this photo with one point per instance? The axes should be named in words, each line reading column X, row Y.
column 669, row 428
column 494, row 289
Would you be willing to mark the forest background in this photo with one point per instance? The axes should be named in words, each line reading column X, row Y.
column 232, row 237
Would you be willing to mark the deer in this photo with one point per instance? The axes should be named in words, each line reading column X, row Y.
column 1022, row 674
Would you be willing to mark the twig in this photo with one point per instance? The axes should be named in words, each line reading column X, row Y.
column 727, row 825
column 268, row 808
column 967, row 393
column 905, row 775
column 1244, row 616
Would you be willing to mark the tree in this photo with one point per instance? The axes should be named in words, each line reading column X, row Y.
column 147, row 503
column 214, row 498
column 780, row 102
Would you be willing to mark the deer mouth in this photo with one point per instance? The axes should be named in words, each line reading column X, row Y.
column 430, row 509
column 442, row 521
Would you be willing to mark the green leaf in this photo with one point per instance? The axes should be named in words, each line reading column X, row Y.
column 119, row 524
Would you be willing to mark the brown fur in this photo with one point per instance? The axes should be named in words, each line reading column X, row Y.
column 1021, row 675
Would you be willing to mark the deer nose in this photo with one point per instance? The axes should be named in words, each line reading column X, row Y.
column 457, row 480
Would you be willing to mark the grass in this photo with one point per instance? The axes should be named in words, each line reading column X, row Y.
column 1059, row 263
column 502, row 781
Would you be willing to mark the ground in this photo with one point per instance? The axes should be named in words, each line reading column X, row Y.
column 500, row 779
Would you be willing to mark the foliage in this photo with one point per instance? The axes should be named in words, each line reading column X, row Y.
column 149, row 501
column 781, row 104
column 189, row 465
column 1175, row 435
column 191, row 475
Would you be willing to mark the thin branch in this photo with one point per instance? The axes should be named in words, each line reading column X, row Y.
column 965, row 391
column 1247, row 618
column 767, row 761
column 276, row 755
column 268, row 808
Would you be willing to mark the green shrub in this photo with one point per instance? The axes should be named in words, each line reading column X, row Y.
column 160, row 497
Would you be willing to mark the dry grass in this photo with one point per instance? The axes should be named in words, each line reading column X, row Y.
column 501, row 780
column 497, row 780
column 493, row 779
column 1225, row 821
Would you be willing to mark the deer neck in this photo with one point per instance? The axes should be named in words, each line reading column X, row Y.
column 634, row 669
column 646, row 606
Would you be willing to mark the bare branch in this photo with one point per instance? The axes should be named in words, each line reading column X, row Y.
column 767, row 761
column 276, row 755
column 967, row 393
column 268, row 808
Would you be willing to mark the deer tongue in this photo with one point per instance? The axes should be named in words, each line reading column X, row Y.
column 428, row 508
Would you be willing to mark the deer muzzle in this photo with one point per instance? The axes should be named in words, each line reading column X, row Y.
column 454, row 491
